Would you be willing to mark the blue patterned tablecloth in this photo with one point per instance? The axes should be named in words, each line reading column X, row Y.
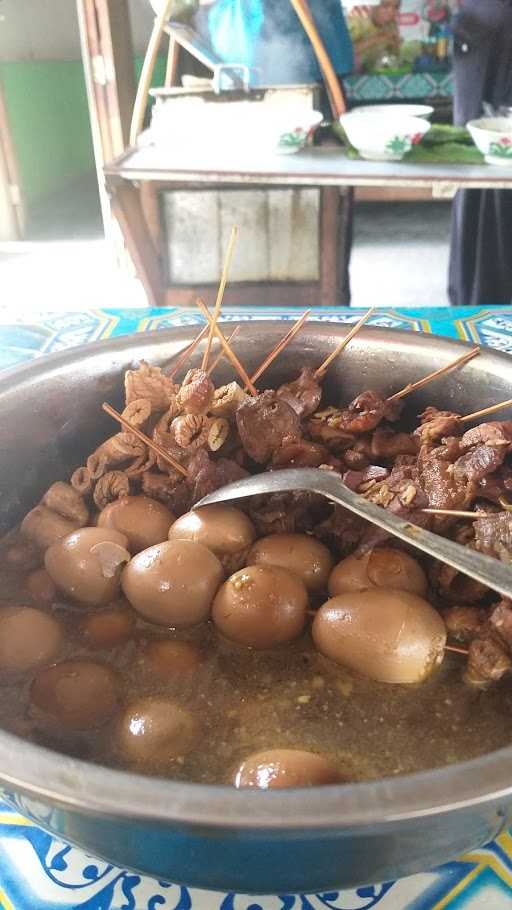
column 38, row 872
column 373, row 87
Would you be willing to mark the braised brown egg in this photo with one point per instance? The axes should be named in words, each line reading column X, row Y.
column 169, row 659
column 261, row 606
column 383, row 567
column 142, row 520
column 108, row 628
column 224, row 530
column 154, row 731
column 299, row 553
column 276, row 769
column 28, row 638
column 75, row 694
column 173, row 583
column 87, row 564
column 390, row 636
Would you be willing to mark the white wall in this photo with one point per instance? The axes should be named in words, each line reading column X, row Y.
column 48, row 29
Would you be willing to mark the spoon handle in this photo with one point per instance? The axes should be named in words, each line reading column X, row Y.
column 490, row 572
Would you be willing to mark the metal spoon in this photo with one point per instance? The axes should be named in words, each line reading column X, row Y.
column 490, row 572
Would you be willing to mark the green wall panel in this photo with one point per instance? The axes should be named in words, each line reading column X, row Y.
column 47, row 105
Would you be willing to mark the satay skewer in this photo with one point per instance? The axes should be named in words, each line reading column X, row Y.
column 220, row 295
column 458, row 513
column 182, row 359
column 222, row 352
column 443, row 371
column 145, row 439
column 343, row 344
column 230, row 354
column 455, row 650
column 485, row 411
column 280, row 346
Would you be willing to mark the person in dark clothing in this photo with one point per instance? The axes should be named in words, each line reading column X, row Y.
column 481, row 245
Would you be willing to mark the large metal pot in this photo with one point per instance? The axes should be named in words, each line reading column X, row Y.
column 217, row 837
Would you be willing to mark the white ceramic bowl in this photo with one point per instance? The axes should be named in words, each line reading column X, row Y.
column 379, row 138
column 493, row 136
column 404, row 110
column 239, row 126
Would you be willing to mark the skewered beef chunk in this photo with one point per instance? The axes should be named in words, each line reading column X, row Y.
column 436, row 424
column 464, row 623
column 361, row 481
column 493, row 535
column 300, row 454
column 304, row 394
column 388, row 444
column 436, row 473
column 281, row 513
column 454, row 587
column 477, row 463
column 264, row 423
column 324, row 427
column 488, row 661
column 498, row 485
column 365, row 413
column 359, row 455
column 206, row 475
column 164, row 488
column 501, row 621
column 496, row 433
column 402, row 494
column 342, row 530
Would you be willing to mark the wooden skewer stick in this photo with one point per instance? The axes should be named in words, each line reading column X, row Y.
column 222, row 353
column 485, row 411
column 187, row 352
column 465, row 358
column 280, row 346
column 229, row 353
column 456, row 650
column 456, row 513
column 220, row 295
column 343, row 344
column 334, row 92
column 145, row 439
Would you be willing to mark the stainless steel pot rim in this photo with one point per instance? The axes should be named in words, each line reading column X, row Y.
column 98, row 790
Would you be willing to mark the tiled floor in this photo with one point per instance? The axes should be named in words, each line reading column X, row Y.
column 399, row 258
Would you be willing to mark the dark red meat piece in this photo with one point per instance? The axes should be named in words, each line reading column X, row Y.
column 264, row 423
column 436, row 424
column 493, row 535
column 303, row 394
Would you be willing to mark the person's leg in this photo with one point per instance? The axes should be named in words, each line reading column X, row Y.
column 480, row 270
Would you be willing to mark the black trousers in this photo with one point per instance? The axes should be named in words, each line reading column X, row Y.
column 481, row 244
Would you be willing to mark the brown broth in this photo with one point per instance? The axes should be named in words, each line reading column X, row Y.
column 248, row 701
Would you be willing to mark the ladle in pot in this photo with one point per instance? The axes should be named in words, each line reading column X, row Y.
column 490, row 572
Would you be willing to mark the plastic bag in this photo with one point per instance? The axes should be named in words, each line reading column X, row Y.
column 235, row 26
